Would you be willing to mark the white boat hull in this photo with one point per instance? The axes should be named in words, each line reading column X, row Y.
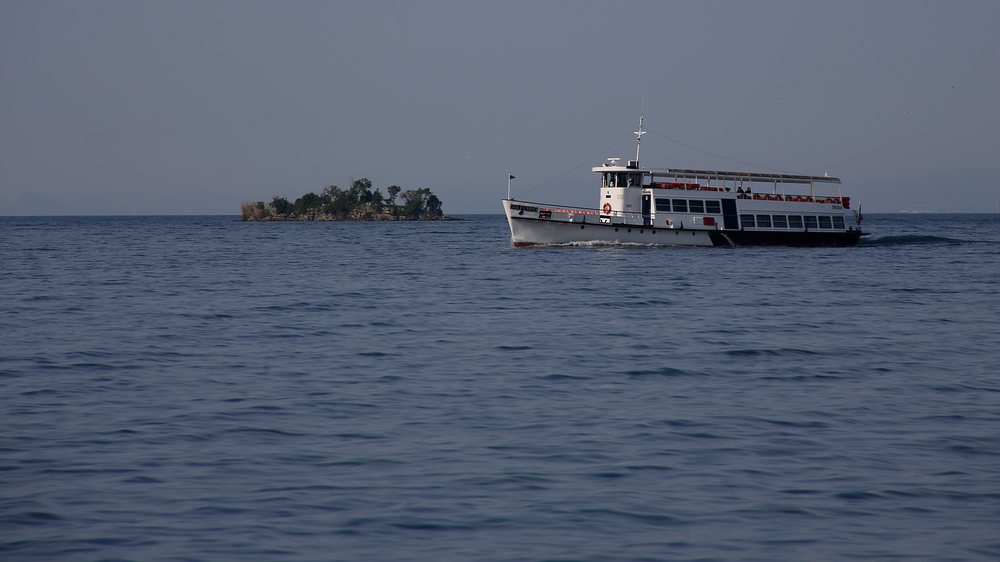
column 534, row 224
column 585, row 227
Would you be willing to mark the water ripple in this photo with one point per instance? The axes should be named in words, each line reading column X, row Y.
column 193, row 388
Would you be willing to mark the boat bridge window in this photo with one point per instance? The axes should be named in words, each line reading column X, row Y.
column 811, row 222
column 763, row 221
column 794, row 221
column 680, row 205
column 713, row 208
column 663, row 205
column 696, row 206
column 779, row 221
column 825, row 222
column 622, row 179
column 746, row 221
column 838, row 222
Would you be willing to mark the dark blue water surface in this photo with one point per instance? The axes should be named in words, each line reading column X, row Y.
column 194, row 388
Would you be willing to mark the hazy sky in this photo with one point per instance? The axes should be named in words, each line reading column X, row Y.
column 192, row 107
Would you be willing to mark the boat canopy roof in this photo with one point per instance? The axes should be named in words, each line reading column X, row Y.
column 714, row 174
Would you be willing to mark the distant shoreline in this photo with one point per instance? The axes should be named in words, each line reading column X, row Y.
column 359, row 203
column 332, row 218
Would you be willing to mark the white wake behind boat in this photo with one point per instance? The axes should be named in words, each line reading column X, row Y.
column 693, row 208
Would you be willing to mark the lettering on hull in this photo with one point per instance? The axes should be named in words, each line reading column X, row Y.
column 514, row 207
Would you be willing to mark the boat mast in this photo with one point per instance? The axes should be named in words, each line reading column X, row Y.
column 639, row 133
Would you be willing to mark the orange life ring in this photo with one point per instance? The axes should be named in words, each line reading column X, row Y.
column 607, row 208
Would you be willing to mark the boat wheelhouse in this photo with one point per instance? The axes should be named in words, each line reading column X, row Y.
column 694, row 207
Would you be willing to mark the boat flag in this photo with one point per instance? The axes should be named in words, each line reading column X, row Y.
column 511, row 177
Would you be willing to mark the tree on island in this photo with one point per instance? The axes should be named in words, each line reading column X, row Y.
column 421, row 201
column 361, row 191
column 280, row 205
column 306, row 202
column 393, row 191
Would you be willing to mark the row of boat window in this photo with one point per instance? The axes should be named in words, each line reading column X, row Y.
column 749, row 221
column 688, row 206
column 791, row 221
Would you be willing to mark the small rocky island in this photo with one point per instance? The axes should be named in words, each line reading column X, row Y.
column 359, row 203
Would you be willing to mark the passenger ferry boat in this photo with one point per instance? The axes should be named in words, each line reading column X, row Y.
column 693, row 207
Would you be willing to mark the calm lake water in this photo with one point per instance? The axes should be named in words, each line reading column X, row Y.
column 194, row 388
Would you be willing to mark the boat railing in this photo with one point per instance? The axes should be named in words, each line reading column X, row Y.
column 684, row 186
column 549, row 209
column 845, row 201
column 546, row 211
column 569, row 210
column 624, row 214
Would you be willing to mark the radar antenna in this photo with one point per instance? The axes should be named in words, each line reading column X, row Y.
column 639, row 133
